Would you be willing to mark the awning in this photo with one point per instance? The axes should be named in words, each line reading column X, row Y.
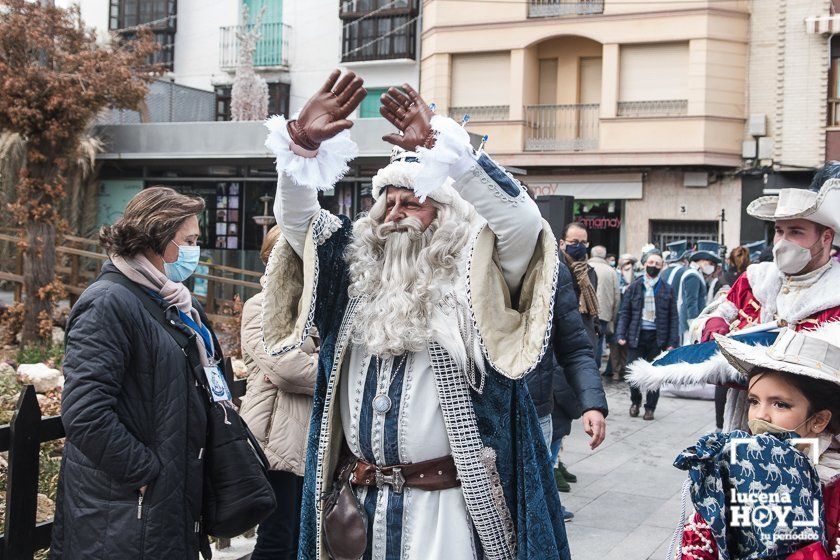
column 603, row 186
column 817, row 25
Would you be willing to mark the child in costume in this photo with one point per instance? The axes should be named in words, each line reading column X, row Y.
column 793, row 393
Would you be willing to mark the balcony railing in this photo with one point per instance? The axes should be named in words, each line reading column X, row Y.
column 560, row 128
column 272, row 47
column 481, row 112
column 555, row 8
column 833, row 112
column 660, row 108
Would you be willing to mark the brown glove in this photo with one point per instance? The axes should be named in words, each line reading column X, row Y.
column 325, row 114
column 410, row 114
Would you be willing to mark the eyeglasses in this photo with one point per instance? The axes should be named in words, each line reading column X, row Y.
column 574, row 242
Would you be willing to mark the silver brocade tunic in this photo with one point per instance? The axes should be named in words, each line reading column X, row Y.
column 416, row 523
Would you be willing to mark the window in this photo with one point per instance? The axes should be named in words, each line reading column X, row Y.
column 471, row 74
column 278, row 100
column 159, row 15
column 369, row 109
column 378, row 29
column 834, row 85
column 667, row 231
column 653, row 80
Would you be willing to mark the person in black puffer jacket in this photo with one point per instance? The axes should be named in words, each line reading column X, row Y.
column 648, row 323
column 131, row 475
column 580, row 392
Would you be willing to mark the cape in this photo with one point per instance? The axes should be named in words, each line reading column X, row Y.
column 502, row 461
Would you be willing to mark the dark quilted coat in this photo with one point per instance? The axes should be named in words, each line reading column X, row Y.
column 667, row 315
column 133, row 416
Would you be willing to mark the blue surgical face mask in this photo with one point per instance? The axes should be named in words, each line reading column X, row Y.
column 184, row 266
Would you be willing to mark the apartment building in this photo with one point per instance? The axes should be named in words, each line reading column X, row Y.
column 637, row 109
column 183, row 136
column 793, row 97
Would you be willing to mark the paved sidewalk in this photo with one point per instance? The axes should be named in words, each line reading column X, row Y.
column 627, row 498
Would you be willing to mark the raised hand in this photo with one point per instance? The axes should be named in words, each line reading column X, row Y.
column 410, row 114
column 325, row 114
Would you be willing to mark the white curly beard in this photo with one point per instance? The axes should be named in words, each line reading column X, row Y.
column 401, row 272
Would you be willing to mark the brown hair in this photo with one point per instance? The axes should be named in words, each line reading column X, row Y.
column 739, row 259
column 149, row 222
column 821, row 395
column 268, row 243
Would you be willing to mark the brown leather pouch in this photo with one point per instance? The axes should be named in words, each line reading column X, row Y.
column 345, row 521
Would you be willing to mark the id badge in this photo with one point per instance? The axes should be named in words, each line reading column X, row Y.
column 217, row 384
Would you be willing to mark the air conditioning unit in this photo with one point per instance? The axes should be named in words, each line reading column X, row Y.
column 757, row 125
column 695, row 179
column 765, row 148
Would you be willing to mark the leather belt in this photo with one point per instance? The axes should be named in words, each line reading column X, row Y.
column 435, row 474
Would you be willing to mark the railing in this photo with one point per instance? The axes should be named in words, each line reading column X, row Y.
column 481, row 112
column 22, row 438
column 561, row 127
column 554, row 8
column 834, row 112
column 166, row 102
column 658, row 108
column 78, row 275
column 272, row 47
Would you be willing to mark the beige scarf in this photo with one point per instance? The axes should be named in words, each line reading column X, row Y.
column 588, row 303
column 141, row 271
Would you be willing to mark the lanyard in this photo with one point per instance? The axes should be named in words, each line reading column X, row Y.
column 202, row 331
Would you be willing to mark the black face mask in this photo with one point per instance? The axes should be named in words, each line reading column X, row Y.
column 577, row 252
column 652, row 271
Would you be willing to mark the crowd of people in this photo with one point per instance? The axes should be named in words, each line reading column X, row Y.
column 412, row 374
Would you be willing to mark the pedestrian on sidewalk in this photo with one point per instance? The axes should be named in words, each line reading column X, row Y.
column 574, row 245
column 609, row 297
column 648, row 324
column 132, row 470
column 618, row 354
column 277, row 406
column 577, row 390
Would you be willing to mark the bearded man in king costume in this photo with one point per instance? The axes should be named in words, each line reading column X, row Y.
column 424, row 442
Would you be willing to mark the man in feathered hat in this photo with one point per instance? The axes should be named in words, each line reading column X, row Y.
column 424, row 442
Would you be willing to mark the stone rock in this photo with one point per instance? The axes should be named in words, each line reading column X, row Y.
column 57, row 336
column 43, row 377
column 46, row 509
column 6, row 369
column 240, row 371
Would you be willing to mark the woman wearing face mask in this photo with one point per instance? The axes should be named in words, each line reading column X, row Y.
column 648, row 323
column 792, row 392
column 131, row 476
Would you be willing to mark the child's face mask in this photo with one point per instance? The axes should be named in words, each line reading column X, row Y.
column 759, row 426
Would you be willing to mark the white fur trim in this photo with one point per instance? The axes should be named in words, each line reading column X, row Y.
column 320, row 172
column 823, row 295
column 452, row 142
column 765, row 280
column 715, row 370
column 403, row 174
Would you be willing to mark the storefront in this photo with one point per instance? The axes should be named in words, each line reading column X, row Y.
column 599, row 201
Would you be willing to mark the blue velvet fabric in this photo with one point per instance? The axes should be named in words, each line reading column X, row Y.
column 507, row 422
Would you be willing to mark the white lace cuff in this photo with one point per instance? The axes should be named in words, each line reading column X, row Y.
column 318, row 173
column 452, row 143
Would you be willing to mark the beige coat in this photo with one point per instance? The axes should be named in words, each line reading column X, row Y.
column 609, row 293
column 277, row 409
